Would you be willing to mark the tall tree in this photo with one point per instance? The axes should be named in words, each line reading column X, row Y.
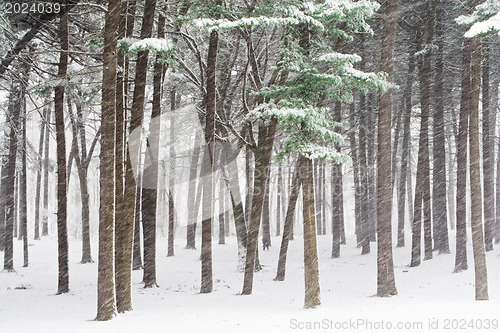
column 148, row 198
column 386, row 285
column 290, row 213
column 106, row 302
column 14, row 115
column 46, row 166
column 39, row 170
column 465, row 102
column 488, row 152
column 337, row 199
column 402, row 189
column 211, row 107
column 62, row 232
column 311, row 267
column 478, row 245
column 23, row 179
column 439, row 206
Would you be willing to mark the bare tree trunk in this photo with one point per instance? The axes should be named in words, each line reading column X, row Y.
column 439, row 211
column 337, row 211
column 266, row 224
column 365, row 229
column 488, row 154
column 172, row 166
column 106, row 302
column 222, row 208
column 23, row 181
column 480, row 270
column 262, row 163
column 125, row 188
column 3, row 194
column 311, row 267
column 386, row 285
column 465, row 102
column 148, row 198
column 371, row 160
column 39, row 170
column 10, row 180
column 137, row 253
column 279, row 190
column 356, row 173
column 206, row 224
column 45, row 197
column 193, row 185
column 290, row 213
column 402, row 189
column 62, row 232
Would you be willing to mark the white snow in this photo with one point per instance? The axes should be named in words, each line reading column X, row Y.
column 426, row 293
column 152, row 44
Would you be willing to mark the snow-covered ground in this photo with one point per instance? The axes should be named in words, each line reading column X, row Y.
column 428, row 293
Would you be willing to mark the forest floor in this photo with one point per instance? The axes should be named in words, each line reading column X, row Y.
column 429, row 295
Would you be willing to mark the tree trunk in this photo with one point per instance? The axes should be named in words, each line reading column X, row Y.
column 402, row 189
column 23, row 181
column 290, row 213
column 480, row 270
column 62, row 232
column 337, row 202
column 262, row 163
column 356, row 173
column 206, row 224
column 3, row 195
column 488, row 154
column 266, row 224
column 106, row 302
column 371, row 160
column 148, row 198
column 83, row 166
column 222, row 208
column 10, row 180
column 465, row 102
column 39, row 170
column 45, row 197
column 365, row 229
column 193, row 185
column 439, row 205
column 279, row 189
column 311, row 267
column 386, row 285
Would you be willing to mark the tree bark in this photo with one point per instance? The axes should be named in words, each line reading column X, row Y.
column 45, row 196
column 488, row 154
column 356, row 173
column 262, row 163
column 148, row 198
column 290, row 213
column 480, row 270
column 402, row 189
column 386, row 285
column 39, row 171
column 311, row 267
column 465, row 102
column 193, row 184
column 10, row 180
column 337, row 202
column 439, row 204
column 23, row 181
column 211, row 107
column 62, row 232
column 279, row 190
column 106, row 302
